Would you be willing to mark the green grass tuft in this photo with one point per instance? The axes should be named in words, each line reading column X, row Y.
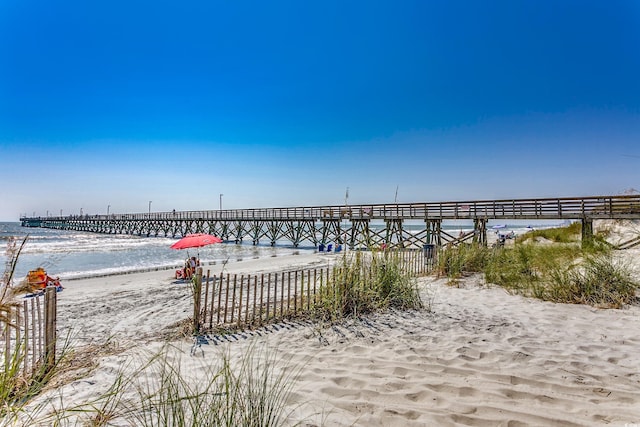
column 565, row 272
column 366, row 282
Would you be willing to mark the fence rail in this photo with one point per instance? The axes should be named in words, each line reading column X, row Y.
column 232, row 300
column 29, row 336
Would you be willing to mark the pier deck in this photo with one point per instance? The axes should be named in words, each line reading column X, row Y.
column 350, row 224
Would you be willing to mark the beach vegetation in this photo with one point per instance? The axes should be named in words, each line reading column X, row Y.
column 366, row 282
column 599, row 280
column 525, row 268
column 569, row 234
column 251, row 390
column 459, row 261
column 564, row 272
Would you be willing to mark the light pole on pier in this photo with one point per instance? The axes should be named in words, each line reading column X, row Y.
column 149, row 206
column 60, row 212
column 221, row 200
column 108, row 207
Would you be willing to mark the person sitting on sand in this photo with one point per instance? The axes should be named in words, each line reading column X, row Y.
column 188, row 272
column 190, row 267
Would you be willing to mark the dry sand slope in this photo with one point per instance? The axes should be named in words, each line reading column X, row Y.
column 483, row 357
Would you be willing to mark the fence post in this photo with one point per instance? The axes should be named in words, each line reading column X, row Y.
column 206, row 298
column 50, row 320
column 197, row 296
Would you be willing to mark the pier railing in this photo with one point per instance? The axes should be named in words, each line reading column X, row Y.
column 240, row 301
column 545, row 208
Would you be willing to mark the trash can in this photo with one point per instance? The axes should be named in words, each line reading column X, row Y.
column 428, row 250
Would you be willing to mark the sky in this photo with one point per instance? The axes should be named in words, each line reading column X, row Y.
column 126, row 106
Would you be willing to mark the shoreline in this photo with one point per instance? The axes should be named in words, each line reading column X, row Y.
column 169, row 268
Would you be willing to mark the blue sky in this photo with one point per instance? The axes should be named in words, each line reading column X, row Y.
column 289, row 103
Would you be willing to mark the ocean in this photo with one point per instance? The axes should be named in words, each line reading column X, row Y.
column 74, row 255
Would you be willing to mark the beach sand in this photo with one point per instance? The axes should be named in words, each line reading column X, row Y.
column 475, row 355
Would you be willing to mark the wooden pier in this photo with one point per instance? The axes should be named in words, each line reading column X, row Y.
column 358, row 226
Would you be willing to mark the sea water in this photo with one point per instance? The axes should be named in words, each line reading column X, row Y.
column 74, row 254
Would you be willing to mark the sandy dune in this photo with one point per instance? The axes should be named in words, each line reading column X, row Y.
column 478, row 356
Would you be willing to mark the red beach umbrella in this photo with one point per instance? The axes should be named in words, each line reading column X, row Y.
column 196, row 241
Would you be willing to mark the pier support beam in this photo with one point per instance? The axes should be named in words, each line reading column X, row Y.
column 394, row 236
column 360, row 234
column 587, row 231
column 433, row 228
column 331, row 231
column 480, row 231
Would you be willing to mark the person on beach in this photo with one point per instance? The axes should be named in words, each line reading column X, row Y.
column 190, row 267
column 187, row 269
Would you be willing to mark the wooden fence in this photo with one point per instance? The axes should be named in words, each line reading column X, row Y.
column 30, row 335
column 232, row 300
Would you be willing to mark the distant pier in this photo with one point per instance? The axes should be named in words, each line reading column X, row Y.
column 357, row 226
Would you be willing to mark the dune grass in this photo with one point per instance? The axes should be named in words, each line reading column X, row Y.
column 599, row 280
column 250, row 390
column 456, row 262
column 564, row 272
column 365, row 282
column 568, row 234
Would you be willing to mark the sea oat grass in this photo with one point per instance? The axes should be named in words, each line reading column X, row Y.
column 568, row 234
column 599, row 280
column 455, row 262
column 363, row 283
column 565, row 273
column 250, row 390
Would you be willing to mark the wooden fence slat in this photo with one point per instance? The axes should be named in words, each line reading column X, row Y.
column 233, row 299
column 288, row 293
column 226, row 298
column 246, row 312
column 282, row 295
column 18, row 326
column 315, row 280
column 25, row 361
column 40, row 329
column 275, row 295
column 261, row 296
column 268, row 296
column 50, row 326
column 220, row 286
column 197, row 292
column 34, row 341
column 295, row 292
column 205, row 304
column 240, row 299
column 255, row 295
column 213, row 303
